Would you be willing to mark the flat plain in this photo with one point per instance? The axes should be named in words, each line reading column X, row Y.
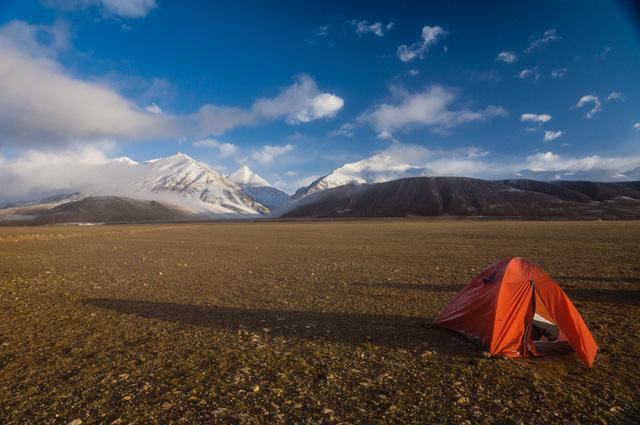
column 296, row 322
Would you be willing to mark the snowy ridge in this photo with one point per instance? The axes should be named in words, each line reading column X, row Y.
column 376, row 169
column 258, row 188
column 245, row 177
column 182, row 175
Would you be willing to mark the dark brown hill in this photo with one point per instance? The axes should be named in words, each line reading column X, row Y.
column 458, row 196
column 111, row 209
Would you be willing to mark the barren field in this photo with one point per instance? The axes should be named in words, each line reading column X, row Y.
column 295, row 322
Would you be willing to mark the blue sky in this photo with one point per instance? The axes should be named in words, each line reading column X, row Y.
column 295, row 89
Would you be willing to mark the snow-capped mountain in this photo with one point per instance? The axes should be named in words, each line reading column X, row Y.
column 178, row 181
column 195, row 182
column 376, row 169
column 245, row 177
column 258, row 188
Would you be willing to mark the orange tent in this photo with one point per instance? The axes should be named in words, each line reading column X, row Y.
column 515, row 309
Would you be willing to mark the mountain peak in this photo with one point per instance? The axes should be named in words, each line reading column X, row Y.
column 245, row 177
column 378, row 168
column 124, row 160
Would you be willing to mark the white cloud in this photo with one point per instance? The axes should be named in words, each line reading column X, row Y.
column 551, row 135
column 300, row 103
column 593, row 100
column 376, row 28
column 154, row 109
column 42, row 104
column 548, row 36
column 559, row 73
column 636, row 126
column 319, row 33
column 430, row 37
column 38, row 173
column 507, row 57
column 531, row 73
column 35, row 40
column 535, row 117
column 118, row 8
column 615, row 95
column 291, row 173
column 429, row 108
column 549, row 161
column 413, row 72
column 345, row 130
column 39, row 101
column 386, row 135
column 268, row 153
column 225, row 149
column 478, row 163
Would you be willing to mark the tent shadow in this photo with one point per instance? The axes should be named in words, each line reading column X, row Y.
column 411, row 333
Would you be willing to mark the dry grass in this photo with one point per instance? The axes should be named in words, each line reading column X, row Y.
column 325, row 321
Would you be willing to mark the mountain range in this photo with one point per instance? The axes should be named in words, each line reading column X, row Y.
column 467, row 197
column 183, row 189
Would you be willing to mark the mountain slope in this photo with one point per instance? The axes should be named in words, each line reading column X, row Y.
column 376, row 169
column 457, row 196
column 201, row 187
column 108, row 209
column 258, row 188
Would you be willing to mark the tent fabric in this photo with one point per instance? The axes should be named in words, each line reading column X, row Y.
column 497, row 309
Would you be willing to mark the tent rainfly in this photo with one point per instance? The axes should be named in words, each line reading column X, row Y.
column 515, row 309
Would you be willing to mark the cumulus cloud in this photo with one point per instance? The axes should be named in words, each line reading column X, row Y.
column 537, row 43
column 590, row 100
column 375, row 28
column 507, row 57
column 300, row 103
column 433, row 107
column 117, row 8
column 39, row 101
column 559, row 73
column 614, row 96
column 531, row 73
column 551, row 135
column 268, row 153
column 42, row 104
column 225, row 149
column 636, row 126
column 430, row 37
column 535, row 117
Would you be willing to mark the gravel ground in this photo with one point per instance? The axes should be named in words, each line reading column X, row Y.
column 302, row 322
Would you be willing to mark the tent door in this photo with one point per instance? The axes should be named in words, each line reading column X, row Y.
column 528, row 344
column 547, row 337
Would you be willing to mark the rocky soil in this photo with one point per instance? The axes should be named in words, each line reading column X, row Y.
column 301, row 322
